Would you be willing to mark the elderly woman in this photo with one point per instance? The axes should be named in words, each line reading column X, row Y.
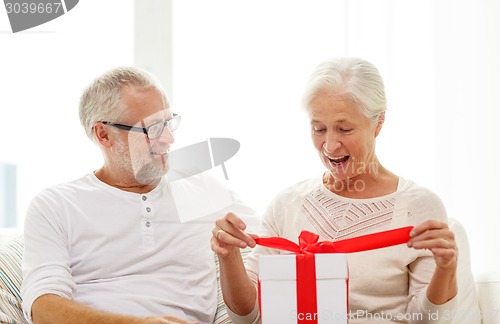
column 355, row 196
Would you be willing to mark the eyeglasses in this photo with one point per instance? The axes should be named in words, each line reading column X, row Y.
column 153, row 131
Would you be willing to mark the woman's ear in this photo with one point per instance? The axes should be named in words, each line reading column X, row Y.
column 380, row 123
column 101, row 134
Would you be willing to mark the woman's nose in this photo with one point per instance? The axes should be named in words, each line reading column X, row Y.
column 331, row 144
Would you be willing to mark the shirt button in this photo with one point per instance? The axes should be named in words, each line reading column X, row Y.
column 148, row 224
column 144, row 198
column 148, row 209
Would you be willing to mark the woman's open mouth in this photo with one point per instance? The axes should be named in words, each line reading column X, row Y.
column 338, row 160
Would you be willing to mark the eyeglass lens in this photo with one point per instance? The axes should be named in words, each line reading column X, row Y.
column 156, row 130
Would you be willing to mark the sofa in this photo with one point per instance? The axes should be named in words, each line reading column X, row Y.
column 11, row 252
column 486, row 286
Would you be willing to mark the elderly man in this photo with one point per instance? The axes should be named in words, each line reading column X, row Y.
column 110, row 247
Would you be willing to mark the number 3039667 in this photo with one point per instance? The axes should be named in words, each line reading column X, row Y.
column 32, row 7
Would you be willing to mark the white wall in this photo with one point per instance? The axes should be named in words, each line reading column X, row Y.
column 43, row 72
column 467, row 113
column 239, row 69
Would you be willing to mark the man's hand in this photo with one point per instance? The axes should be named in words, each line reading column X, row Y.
column 166, row 320
column 51, row 308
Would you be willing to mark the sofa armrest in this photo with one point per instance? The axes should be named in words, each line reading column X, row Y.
column 11, row 251
column 221, row 316
column 488, row 291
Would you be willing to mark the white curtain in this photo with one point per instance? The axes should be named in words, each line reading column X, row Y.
column 240, row 68
column 238, row 71
column 43, row 72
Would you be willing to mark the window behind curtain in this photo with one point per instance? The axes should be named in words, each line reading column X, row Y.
column 43, row 72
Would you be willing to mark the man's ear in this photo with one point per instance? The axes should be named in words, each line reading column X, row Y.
column 380, row 123
column 101, row 133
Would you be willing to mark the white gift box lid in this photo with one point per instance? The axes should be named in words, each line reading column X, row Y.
column 283, row 266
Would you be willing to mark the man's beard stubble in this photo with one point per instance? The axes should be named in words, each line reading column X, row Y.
column 143, row 167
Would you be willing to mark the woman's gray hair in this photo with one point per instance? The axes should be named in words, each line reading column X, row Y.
column 352, row 78
column 102, row 99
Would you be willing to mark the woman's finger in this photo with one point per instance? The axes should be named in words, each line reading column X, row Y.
column 230, row 230
column 430, row 224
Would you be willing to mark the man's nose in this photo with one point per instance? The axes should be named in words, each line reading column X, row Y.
column 167, row 136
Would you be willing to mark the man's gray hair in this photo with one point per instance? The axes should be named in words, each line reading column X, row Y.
column 102, row 99
column 352, row 78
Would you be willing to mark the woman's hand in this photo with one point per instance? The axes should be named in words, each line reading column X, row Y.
column 436, row 236
column 229, row 235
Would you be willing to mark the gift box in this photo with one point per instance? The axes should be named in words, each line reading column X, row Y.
column 322, row 298
column 312, row 285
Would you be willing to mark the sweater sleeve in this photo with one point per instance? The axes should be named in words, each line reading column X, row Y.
column 422, row 205
column 419, row 306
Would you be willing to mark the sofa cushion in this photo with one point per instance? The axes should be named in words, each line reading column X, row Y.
column 468, row 307
column 11, row 251
column 221, row 316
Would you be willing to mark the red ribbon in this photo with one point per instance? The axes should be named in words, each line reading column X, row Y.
column 306, row 265
column 308, row 242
